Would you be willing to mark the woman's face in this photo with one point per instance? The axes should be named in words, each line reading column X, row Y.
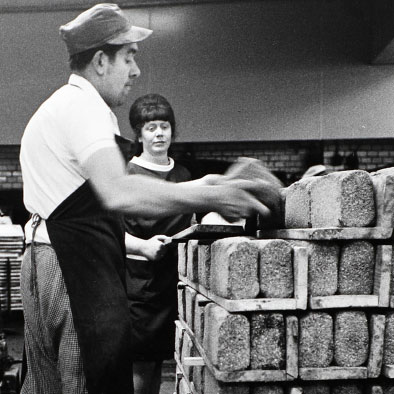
column 156, row 137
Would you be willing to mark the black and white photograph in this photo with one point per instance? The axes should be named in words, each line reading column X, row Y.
column 197, row 197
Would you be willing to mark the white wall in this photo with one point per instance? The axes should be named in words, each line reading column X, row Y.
column 242, row 70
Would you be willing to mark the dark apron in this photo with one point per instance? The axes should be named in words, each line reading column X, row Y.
column 89, row 243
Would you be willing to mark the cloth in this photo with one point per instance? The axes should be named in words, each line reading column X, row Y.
column 89, row 243
column 151, row 285
column 147, row 228
column 99, row 25
column 50, row 338
column 65, row 131
column 164, row 169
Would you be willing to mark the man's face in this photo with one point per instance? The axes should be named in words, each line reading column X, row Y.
column 120, row 75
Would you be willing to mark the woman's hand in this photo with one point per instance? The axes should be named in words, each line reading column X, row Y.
column 155, row 247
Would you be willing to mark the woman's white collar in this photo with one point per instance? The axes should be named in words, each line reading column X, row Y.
column 152, row 166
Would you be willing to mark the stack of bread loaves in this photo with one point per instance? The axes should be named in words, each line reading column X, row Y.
column 304, row 308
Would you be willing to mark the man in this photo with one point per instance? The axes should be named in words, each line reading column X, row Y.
column 75, row 186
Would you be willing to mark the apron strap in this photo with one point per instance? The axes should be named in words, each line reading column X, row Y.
column 36, row 220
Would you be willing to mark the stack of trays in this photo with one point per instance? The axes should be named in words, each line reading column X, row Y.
column 11, row 249
column 305, row 309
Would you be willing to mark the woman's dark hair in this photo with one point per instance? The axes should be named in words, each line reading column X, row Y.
column 148, row 108
column 80, row 60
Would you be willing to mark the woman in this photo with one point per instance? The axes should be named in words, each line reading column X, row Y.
column 152, row 261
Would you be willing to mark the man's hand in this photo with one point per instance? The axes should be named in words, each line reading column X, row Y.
column 252, row 169
column 235, row 202
column 252, row 176
column 212, row 179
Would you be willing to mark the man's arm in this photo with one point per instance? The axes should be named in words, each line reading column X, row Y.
column 145, row 196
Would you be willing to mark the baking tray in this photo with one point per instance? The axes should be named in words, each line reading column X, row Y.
column 208, row 231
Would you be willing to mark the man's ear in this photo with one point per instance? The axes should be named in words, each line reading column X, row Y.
column 99, row 62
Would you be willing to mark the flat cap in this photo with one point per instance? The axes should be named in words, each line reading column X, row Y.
column 102, row 24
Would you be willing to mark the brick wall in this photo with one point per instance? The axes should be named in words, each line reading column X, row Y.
column 10, row 172
column 371, row 155
column 282, row 157
column 289, row 159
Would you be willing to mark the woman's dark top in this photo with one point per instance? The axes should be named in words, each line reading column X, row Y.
column 151, row 285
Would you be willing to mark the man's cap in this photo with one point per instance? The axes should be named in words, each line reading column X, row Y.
column 102, row 24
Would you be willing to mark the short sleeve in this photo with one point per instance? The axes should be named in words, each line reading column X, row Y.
column 91, row 130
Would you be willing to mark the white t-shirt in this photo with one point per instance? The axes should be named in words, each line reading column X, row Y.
column 65, row 131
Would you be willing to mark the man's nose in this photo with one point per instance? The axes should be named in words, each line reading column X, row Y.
column 135, row 72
